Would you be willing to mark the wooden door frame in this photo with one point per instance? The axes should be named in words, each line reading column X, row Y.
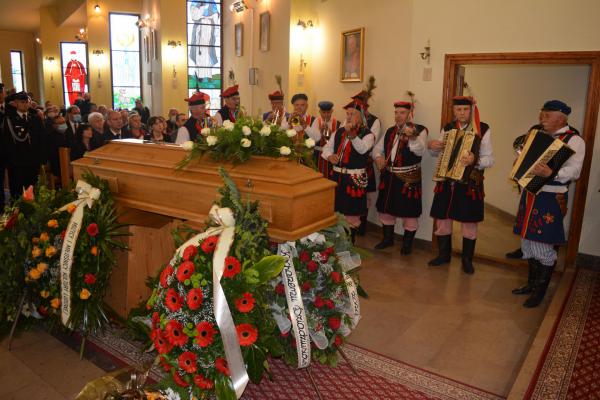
column 589, row 58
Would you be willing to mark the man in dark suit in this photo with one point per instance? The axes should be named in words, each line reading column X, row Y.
column 114, row 129
column 73, row 119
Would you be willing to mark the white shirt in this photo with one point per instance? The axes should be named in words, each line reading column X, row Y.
column 571, row 169
column 314, row 131
column 417, row 146
column 486, row 154
column 182, row 136
column 361, row 146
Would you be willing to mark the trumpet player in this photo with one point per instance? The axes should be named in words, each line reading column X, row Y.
column 348, row 150
column 398, row 157
column 322, row 128
column 231, row 109
column 456, row 201
column 300, row 119
column 277, row 114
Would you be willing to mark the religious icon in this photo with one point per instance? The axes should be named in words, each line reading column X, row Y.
column 205, row 34
column 352, row 55
column 75, row 77
column 265, row 30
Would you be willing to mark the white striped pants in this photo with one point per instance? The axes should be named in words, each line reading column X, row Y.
column 543, row 252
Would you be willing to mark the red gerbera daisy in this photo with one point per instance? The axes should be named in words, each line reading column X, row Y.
column 189, row 252
column 202, row 382
column 172, row 300
column 175, row 333
column 155, row 319
column 232, row 267
column 165, row 364
column 312, row 266
column 280, row 289
column 245, row 303
column 334, row 323
column 221, row 366
column 179, row 380
column 185, row 271
column 165, row 274
column 335, row 276
column 247, row 334
column 206, row 332
column 209, row 244
column 194, row 298
column 187, row 362
column 161, row 343
column 92, row 229
column 304, row 256
column 90, row 279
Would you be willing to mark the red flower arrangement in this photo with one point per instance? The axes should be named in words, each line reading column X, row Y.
column 245, row 303
column 194, row 298
column 247, row 334
column 92, row 229
column 232, row 267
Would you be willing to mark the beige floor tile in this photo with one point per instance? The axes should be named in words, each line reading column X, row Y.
column 39, row 391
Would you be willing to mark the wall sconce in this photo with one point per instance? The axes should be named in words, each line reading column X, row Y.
column 305, row 24
column 50, row 61
column 143, row 23
column 174, row 45
column 82, row 36
column 98, row 54
column 97, row 9
column 426, row 55
column 238, row 6
column 38, row 40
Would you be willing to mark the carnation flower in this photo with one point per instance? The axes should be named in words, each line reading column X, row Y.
column 209, row 244
column 205, row 131
column 291, row 133
column 202, row 382
column 92, row 229
column 312, row 266
column 55, row 303
column 44, row 237
column 304, row 256
column 334, row 323
column 50, row 251
column 246, row 130
column 187, row 362
column 319, row 302
column 188, row 145
column 310, row 143
column 335, row 276
column 206, row 333
column 84, row 294
column 285, row 151
column 329, row 304
column 90, row 279
column 189, row 252
column 306, row 286
column 338, row 341
column 245, row 142
column 185, row 271
column 232, row 267
column 280, row 289
column 265, row 131
column 174, row 333
column 53, row 224
column 221, row 366
column 165, row 274
column 35, row 274
column 172, row 300
column 245, row 303
column 36, row 252
column 42, row 267
column 179, row 380
column 194, row 298
column 247, row 334
column 161, row 342
column 212, row 140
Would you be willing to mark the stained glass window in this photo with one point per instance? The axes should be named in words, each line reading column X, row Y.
column 204, row 49
column 125, row 59
column 16, row 67
column 73, row 57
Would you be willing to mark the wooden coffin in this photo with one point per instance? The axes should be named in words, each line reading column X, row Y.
column 294, row 199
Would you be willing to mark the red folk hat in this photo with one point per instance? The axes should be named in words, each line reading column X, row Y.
column 231, row 91
column 463, row 101
column 198, row 98
column 356, row 104
column 403, row 104
column 277, row 95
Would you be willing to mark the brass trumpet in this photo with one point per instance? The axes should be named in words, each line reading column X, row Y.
column 295, row 120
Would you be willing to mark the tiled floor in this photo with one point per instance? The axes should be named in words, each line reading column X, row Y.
column 468, row 328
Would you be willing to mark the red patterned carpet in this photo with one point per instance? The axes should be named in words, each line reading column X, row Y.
column 570, row 365
column 377, row 377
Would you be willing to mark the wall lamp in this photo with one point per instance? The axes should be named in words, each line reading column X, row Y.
column 426, row 55
column 305, row 24
column 50, row 61
column 98, row 53
column 82, row 36
column 174, row 44
column 97, row 9
column 238, row 6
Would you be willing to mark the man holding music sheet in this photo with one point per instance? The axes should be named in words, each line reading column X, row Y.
column 461, row 200
column 398, row 157
column 540, row 217
column 348, row 150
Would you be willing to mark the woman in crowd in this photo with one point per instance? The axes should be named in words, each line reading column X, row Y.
column 158, row 127
column 135, row 127
column 85, row 140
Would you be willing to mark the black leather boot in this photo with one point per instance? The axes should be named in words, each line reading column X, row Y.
column 467, row 255
column 531, row 275
column 388, row 237
column 444, row 249
column 407, row 241
column 544, row 275
column 516, row 254
column 362, row 228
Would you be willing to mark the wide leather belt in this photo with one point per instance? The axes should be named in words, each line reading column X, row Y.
column 349, row 171
column 410, row 174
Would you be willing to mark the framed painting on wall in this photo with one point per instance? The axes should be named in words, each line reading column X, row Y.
column 265, row 31
column 239, row 39
column 352, row 50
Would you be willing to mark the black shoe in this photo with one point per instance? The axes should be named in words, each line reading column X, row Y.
column 407, row 242
column 544, row 275
column 517, row 254
column 444, row 249
column 388, row 237
column 467, row 256
column 528, row 288
column 362, row 228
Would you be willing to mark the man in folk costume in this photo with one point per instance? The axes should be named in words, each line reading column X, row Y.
column 231, row 109
column 540, row 217
column 300, row 119
column 398, row 157
column 75, row 74
column 456, row 201
column 198, row 120
column 374, row 125
column 347, row 150
column 322, row 128
column 277, row 114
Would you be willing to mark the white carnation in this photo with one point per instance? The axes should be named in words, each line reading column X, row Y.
column 285, row 151
column 245, row 142
column 212, row 140
column 265, row 131
column 205, row 131
column 291, row 132
column 187, row 145
column 246, row 130
column 310, row 143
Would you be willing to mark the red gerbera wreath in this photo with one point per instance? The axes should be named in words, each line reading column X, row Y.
column 232, row 267
column 247, row 334
column 245, row 303
column 194, row 298
column 206, row 333
column 175, row 334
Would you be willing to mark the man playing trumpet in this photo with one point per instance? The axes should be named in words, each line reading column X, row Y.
column 398, row 157
column 322, row 128
column 231, row 109
column 300, row 119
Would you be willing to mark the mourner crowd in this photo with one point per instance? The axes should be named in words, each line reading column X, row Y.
column 347, row 151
